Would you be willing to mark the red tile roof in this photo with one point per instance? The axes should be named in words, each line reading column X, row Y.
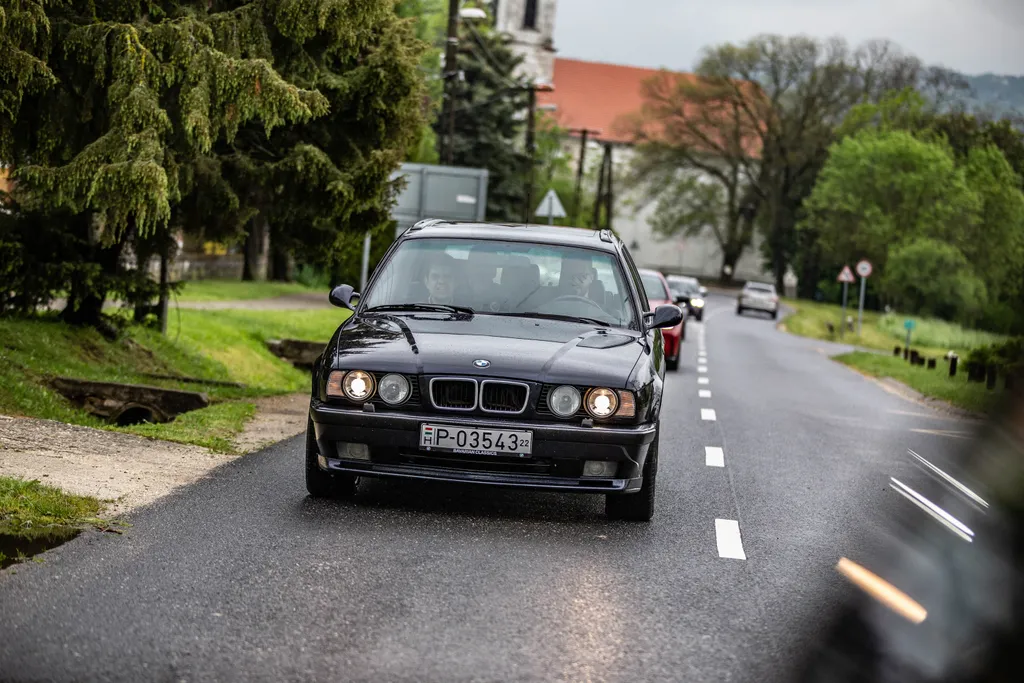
column 595, row 95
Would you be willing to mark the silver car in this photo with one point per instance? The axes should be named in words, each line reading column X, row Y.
column 758, row 296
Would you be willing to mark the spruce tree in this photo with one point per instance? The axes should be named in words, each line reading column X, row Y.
column 127, row 118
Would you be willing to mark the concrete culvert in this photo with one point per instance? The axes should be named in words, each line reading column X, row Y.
column 133, row 415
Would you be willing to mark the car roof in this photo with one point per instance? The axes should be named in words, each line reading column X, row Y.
column 603, row 240
column 682, row 278
column 651, row 271
column 767, row 285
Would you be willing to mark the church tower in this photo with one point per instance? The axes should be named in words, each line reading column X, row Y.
column 531, row 23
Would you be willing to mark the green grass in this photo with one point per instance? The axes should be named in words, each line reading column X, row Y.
column 880, row 331
column 213, row 427
column 236, row 290
column 28, row 507
column 933, row 383
column 34, row 516
column 211, row 345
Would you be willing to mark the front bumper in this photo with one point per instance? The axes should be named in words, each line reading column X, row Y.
column 556, row 463
column 759, row 305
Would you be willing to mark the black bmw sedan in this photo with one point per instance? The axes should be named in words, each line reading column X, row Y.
column 494, row 354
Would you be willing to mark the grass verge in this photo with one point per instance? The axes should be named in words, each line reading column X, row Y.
column 932, row 383
column 236, row 290
column 209, row 345
column 884, row 331
column 35, row 517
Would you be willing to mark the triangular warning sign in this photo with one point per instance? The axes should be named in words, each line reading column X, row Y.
column 846, row 275
column 550, row 206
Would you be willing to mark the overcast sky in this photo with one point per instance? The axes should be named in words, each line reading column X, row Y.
column 972, row 36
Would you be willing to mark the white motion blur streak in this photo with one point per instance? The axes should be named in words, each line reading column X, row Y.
column 943, row 517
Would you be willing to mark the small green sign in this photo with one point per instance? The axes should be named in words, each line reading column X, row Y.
column 909, row 324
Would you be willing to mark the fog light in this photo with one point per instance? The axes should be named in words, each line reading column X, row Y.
column 353, row 451
column 322, row 460
column 599, row 468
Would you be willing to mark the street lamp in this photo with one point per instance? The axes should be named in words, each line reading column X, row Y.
column 451, row 69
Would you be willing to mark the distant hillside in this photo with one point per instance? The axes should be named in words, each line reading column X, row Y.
column 999, row 94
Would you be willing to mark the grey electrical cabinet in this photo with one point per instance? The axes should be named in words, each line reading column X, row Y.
column 447, row 192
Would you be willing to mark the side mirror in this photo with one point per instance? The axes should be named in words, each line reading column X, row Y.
column 703, row 291
column 342, row 295
column 681, row 298
column 665, row 315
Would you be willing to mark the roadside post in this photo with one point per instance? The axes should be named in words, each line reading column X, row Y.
column 908, row 324
column 364, row 270
column 864, row 270
column 550, row 207
column 846, row 277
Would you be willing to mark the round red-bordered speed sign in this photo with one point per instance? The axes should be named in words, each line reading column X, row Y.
column 864, row 268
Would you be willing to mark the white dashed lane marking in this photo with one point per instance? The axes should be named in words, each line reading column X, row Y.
column 714, row 456
column 703, row 380
column 704, row 393
column 727, row 532
column 702, row 368
column 707, row 414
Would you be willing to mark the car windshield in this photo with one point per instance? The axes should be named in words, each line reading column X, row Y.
column 489, row 277
column 761, row 289
column 686, row 287
column 654, row 286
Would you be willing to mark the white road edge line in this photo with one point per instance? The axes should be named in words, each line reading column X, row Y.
column 703, row 380
column 714, row 456
column 727, row 533
column 704, row 393
column 707, row 414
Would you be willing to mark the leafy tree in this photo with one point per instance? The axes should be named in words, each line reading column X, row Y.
column 929, row 277
column 429, row 16
column 490, row 103
column 884, row 188
column 691, row 126
column 782, row 97
column 126, row 119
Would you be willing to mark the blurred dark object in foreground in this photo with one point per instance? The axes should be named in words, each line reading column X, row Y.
column 949, row 604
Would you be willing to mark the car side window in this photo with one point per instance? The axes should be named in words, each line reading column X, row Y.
column 638, row 282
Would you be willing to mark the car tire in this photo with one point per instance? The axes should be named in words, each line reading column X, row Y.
column 639, row 506
column 775, row 315
column 739, row 310
column 700, row 317
column 672, row 364
column 322, row 484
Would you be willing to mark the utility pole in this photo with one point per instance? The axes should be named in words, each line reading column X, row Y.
column 578, row 197
column 451, row 69
column 531, row 149
column 604, row 190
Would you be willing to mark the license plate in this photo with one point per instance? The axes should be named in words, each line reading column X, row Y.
column 475, row 441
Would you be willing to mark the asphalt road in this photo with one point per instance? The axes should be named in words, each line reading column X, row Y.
column 242, row 577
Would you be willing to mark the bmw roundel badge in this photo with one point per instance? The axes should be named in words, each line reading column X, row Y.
column 482, row 363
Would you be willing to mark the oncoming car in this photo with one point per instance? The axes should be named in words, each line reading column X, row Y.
column 459, row 364
column 758, row 296
column 659, row 294
column 688, row 292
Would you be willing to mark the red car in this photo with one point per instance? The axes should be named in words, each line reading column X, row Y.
column 658, row 293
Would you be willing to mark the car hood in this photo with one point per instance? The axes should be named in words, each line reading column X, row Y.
column 516, row 348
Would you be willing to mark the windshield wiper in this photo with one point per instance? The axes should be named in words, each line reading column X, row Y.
column 437, row 308
column 565, row 318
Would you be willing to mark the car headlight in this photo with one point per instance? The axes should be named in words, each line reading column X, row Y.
column 354, row 385
column 564, row 401
column 394, row 389
column 697, row 302
column 602, row 402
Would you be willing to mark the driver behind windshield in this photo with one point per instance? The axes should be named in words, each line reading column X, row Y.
column 576, row 277
column 440, row 280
